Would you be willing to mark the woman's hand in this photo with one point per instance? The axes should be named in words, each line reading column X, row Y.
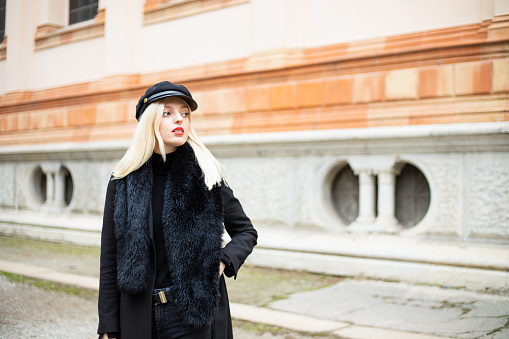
column 222, row 266
column 105, row 336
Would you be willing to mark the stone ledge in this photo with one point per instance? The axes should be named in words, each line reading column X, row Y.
column 35, row 272
column 391, row 270
column 488, row 256
column 422, row 134
column 79, row 222
column 77, row 237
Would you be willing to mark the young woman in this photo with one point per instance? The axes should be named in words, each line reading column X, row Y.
column 167, row 205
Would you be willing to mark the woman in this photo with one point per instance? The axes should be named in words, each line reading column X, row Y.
column 166, row 207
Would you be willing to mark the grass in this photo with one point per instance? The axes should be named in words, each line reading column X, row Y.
column 29, row 247
column 51, row 286
column 288, row 334
column 254, row 285
column 78, row 259
column 261, row 286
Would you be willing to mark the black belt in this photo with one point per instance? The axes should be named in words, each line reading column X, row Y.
column 162, row 296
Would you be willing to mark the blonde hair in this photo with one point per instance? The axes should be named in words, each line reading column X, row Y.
column 144, row 143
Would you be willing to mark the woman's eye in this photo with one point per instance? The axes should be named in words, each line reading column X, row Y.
column 166, row 114
column 185, row 114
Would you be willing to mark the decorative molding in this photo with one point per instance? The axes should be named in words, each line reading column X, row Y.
column 51, row 35
column 163, row 10
column 463, row 138
column 321, row 86
column 43, row 30
column 499, row 29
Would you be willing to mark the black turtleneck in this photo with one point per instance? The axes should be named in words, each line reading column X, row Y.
column 160, row 170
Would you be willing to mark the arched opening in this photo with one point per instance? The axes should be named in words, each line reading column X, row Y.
column 345, row 195
column 412, row 196
column 38, row 184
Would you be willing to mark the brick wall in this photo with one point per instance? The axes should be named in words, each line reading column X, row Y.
column 453, row 75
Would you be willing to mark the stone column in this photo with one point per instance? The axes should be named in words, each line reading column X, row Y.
column 387, row 199
column 366, row 197
column 55, row 186
column 59, row 188
column 50, row 187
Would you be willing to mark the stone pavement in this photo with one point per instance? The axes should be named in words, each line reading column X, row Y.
column 358, row 309
column 402, row 307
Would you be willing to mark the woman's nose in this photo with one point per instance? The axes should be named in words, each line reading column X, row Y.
column 178, row 117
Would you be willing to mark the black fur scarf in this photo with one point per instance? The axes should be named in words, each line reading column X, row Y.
column 192, row 228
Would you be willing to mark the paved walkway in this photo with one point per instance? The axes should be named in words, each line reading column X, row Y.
column 358, row 309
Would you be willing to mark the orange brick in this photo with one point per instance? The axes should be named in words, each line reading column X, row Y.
column 46, row 119
column 283, row 96
column 436, row 82
column 338, row 91
column 310, row 94
column 368, row 88
column 198, row 97
column 23, row 121
column 81, row 134
column 81, row 116
column 12, row 122
column 233, row 100
column 351, row 117
column 60, row 118
column 130, row 110
column 3, row 123
column 473, row 78
column 105, row 112
column 211, row 102
column 501, row 75
column 401, row 84
column 258, row 98
column 110, row 112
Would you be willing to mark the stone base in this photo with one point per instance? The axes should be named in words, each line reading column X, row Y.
column 416, row 273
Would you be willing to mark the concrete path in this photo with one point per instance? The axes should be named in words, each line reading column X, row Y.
column 429, row 310
column 358, row 309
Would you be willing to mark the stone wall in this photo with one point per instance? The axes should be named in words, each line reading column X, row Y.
column 284, row 180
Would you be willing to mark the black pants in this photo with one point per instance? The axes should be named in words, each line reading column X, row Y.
column 167, row 323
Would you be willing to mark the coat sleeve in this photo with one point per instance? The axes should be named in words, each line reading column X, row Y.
column 109, row 295
column 242, row 233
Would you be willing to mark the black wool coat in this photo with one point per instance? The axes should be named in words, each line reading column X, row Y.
column 193, row 243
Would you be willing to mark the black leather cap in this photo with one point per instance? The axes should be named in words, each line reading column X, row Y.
column 163, row 90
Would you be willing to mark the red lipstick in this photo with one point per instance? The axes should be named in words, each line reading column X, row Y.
column 178, row 131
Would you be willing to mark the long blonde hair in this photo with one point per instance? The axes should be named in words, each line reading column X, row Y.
column 144, row 143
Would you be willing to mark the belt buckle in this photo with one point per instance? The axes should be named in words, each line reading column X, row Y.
column 162, row 297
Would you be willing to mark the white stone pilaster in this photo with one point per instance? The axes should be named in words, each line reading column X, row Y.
column 387, row 168
column 123, row 36
column 366, row 197
column 386, row 219
column 50, row 188
column 367, row 168
column 59, row 188
column 55, row 186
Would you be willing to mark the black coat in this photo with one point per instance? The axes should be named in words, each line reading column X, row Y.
column 130, row 314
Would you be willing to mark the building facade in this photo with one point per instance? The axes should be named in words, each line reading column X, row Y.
column 359, row 135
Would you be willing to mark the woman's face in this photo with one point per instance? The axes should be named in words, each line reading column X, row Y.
column 175, row 124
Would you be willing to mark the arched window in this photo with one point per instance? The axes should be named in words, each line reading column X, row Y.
column 38, row 186
column 412, row 196
column 345, row 194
